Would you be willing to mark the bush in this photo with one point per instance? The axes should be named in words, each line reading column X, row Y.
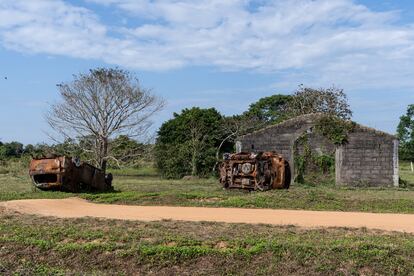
column 186, row 144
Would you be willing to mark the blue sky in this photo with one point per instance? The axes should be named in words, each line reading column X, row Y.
column 223, row 54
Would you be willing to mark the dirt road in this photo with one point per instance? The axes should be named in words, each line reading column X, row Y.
column 75, row 208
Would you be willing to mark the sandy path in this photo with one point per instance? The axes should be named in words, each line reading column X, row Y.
column 75, row 208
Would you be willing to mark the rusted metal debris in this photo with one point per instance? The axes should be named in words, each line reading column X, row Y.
column 68, row 174
column 255, row 171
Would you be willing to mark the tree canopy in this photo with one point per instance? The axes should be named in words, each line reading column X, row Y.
column 405, row 132
column 12, row 149
column 331, row 101
column 269, row 110
column 186, row 144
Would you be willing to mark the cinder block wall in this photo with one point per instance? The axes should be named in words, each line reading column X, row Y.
column 369, row 158
column 279, row 138
column 318, row 144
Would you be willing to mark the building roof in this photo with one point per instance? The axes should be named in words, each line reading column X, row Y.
column 311, row 118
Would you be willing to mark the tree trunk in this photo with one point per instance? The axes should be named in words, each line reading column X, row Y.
column 104, row 154
column 103, row 165
column 412, row 166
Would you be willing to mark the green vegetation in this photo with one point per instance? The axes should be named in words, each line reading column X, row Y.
column 405, row 132
column 12, row 149
column 335, row 129
column 207, row 192
column 331, row 101
column 144, row 187
column 46, row 246
column 312, row 168
column 269, row 110
column 190, row 143
column 406, row 175
column 186, row 144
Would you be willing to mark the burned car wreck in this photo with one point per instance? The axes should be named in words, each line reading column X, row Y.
column 68, row 174
column 255, row 171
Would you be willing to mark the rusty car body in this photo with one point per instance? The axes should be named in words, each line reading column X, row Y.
column 255, row 171
column 67, row 174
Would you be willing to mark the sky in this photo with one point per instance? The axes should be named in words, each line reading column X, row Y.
column 209, row 53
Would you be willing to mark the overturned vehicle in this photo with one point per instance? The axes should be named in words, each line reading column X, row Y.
column 255, row 171
column 68, row 174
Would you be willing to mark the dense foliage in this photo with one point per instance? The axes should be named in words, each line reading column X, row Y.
column 405, row 132
column 12, row 149
column 269, row 110
column 311, row 164
column 334, row 128
column 126, row 152
column 189, row 144
column 186, row 144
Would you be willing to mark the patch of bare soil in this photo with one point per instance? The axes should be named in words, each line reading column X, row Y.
column 76, row 208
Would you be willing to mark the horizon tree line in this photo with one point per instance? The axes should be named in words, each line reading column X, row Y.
column 102, row 113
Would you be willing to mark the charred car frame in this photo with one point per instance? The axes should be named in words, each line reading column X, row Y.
column 255, row 171
column 68, row 174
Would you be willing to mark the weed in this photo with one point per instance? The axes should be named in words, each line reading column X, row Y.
column 50, row 246
column 132, row 187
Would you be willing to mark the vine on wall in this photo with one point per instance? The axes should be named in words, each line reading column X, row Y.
column 335, row 130
column 307, row 161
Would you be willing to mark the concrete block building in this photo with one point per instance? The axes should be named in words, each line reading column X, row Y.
column 369, row 158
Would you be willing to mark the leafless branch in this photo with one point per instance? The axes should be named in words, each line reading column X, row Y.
column 332, row 101
column 103, row 104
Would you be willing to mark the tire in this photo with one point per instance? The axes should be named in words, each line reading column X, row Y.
column 288, row 176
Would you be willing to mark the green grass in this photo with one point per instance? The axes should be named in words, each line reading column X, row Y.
column 142, row 171
column 406, row 174
column 209, row 194
column 49, row 246
column 31, row 245
column 144, row 187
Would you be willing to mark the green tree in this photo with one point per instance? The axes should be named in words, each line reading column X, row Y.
column 330, row 101
column 69, row 147
column 187, row 143
column 29, row 149
column 39, row 150
column 127, row 151
column 12, row 149
column 269, row 110
column 405, row 132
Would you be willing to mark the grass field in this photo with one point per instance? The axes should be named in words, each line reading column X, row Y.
column 32, row 245
column 144, row 187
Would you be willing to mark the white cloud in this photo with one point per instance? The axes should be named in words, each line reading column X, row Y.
column 324, row 41
column 51, row 27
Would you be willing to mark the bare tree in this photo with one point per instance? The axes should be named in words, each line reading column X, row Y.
column 233, row 127
column 101, row 105
column 332, row 101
